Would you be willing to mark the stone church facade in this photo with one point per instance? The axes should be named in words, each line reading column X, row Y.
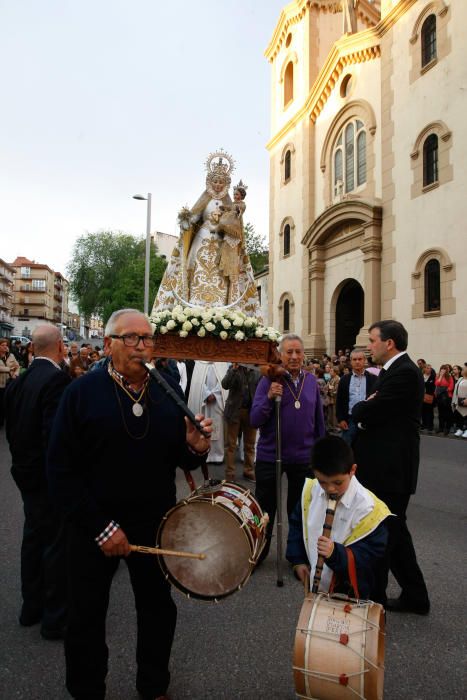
column 368, row 173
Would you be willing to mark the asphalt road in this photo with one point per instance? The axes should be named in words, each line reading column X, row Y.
column 242, row 647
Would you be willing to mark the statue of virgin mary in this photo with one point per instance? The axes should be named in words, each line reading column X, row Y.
column 195, row 275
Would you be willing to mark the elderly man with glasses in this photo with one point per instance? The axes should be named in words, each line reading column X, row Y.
column 116, row 443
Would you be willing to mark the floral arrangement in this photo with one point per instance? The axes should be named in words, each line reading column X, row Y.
column 217, row 322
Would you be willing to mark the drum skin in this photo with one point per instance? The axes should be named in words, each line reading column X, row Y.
column 223, row 522
column 339, row 649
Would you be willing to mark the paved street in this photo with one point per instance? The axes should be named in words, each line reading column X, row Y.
column 242, row 648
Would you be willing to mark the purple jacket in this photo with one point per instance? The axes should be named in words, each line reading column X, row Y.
column 300, row 427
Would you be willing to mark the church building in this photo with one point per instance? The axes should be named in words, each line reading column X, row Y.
column 368, row 173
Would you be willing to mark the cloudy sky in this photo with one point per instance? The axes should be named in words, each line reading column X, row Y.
column 102, row 99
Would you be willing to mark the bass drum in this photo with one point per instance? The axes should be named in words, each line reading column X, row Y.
column 339, row 649
column 225, row 523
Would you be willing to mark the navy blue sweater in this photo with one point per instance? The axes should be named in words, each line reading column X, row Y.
column 97, row 472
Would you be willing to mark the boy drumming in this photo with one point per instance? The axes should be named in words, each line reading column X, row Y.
column 358, row 522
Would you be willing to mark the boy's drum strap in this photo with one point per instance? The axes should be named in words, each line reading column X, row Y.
column 352, row 571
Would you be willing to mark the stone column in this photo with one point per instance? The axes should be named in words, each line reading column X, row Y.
column 315, row 341
column 371, row 249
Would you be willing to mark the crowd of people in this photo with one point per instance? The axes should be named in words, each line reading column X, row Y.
column 86, row 473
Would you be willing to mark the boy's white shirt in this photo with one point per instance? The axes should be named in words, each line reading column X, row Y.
column 354, row 505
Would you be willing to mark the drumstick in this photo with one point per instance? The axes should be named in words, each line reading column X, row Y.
column 328, row 520
column 165, row 552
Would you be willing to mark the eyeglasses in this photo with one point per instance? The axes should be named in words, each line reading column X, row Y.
column 131, row 340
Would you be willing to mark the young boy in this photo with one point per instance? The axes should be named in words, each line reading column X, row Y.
column 359, row 522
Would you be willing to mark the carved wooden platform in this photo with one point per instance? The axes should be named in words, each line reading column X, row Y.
column 212, row 349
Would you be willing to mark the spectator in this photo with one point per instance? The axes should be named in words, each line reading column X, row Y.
column 444, row 384
column 332, row 394
column 9, row 369
column 353, row 388
column 459, row 404
column 429, row 377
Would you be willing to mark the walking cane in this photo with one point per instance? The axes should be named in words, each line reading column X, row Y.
column 280, row 581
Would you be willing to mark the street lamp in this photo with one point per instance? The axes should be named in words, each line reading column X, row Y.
column 148, row 249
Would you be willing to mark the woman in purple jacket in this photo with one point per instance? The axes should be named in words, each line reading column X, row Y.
column 302, row 423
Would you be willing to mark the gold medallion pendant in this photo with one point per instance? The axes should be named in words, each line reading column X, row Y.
column 297, row 405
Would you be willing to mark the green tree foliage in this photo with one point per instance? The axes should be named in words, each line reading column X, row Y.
column 256, row 248
column 106, row 273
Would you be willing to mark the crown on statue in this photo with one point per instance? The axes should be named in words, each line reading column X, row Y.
column 220, row 163
column 241, row 186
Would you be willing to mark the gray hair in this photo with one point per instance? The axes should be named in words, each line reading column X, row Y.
column 356, row 351
column 112, row 322
column 45, row 336
column 289, row 336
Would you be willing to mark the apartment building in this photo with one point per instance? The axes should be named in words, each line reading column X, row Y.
column 7, row 273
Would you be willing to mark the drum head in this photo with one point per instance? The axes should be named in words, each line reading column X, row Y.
column 213, row 530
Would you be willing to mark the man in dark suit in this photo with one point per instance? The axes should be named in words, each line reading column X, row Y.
column 30, row 404
column 352, row 388
column 387, row 452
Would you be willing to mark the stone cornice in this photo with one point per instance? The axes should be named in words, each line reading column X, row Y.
column 353, row 48
column 296, row 10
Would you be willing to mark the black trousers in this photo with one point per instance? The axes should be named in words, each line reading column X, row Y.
column 86, row 651
column 43, row 571
column 427, row 416
column 265, row 491
column 400, row 556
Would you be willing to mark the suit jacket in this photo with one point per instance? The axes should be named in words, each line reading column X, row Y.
column 387, row 451
column 30, row 405
column 342, row 397
column 239, row 382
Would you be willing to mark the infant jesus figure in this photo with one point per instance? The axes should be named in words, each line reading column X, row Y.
column 230, row 228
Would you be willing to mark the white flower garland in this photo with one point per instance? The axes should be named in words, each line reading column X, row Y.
column 217, row 322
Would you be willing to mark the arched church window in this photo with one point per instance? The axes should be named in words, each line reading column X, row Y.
column 288, row 84
column 428, row 36
column 287, row 239
column 432, row 285
column 349, row 159
column 286, row 314
column 287, row 166
column 430, row 160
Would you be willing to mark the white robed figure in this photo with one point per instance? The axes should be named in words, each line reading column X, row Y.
column 209, row 265
column 208, row 398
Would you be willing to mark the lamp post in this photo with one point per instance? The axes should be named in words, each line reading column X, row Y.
column 148, row 249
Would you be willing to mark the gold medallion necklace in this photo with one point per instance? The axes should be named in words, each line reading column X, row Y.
column 297, row 403
column 138, row 406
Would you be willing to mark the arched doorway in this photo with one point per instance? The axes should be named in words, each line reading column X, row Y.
column 349, row 315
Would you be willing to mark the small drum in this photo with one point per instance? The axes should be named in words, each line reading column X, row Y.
column 339, row 649
column 222, row 521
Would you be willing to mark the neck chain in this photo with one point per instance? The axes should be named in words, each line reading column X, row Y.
column 297, row 403
column 137, row 407
column 145, row 432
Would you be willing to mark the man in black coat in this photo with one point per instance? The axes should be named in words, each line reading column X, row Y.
column 30, row 404
column 387, row 451
column 352, row 388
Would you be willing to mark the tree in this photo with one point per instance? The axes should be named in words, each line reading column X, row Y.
column 256, row 248
column 106, row 273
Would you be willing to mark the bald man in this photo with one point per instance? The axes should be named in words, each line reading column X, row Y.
column 30, row 405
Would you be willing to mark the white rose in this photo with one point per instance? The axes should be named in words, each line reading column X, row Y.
column 223, row 335
column 171, row 324
column 201, row 332
column 259, row 332
column 183, row 334
column 210, row 327
column 225, row 323
column 238, row 322
column 177, row 309
column 248, row 323
column 187, row 311
column 194, row 321
column 163, row 329
column 239, row 335
column 187, row 326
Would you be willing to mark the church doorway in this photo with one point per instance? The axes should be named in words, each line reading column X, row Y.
column 349, row 315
